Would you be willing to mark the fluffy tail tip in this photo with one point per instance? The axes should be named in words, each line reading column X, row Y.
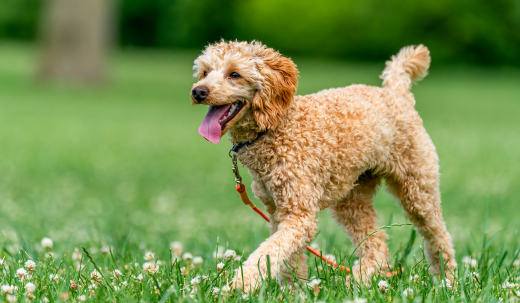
column 409, row 65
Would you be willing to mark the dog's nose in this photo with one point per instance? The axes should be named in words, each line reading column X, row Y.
column 200, row 93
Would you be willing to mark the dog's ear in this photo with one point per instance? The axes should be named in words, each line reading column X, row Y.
column 278, row 89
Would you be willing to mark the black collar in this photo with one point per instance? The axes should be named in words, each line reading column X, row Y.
column 238, row 147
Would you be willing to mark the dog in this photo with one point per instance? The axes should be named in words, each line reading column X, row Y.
column 328, row 150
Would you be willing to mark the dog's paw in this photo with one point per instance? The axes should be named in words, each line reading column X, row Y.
column 363, row 273
column 248, row 282
column 449, row 269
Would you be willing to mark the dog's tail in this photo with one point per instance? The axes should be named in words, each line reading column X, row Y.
column 410, row 65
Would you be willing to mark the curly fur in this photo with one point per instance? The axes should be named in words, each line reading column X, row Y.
column 329, row 150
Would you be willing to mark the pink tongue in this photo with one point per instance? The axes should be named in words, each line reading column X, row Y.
column 210, row 128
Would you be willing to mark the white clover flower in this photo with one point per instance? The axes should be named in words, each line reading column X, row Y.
column 50, row 254
column 517, row 293
column 45, row 300
column 473, row 263
column 508, row 285
column 47, row 243
column 229, row 254
column 95, row 276
column 76, row 255
column 219, row 254
column 7, row 289
column 331, row 258
column 215, row 292
column 225, row 289
column 150, row 267
column 314, row 282
column 30, row 287
column 184, row 271
column 124, row 283
column 30, row 265
column 383, row 286
column 516, row 263
column 149, row 256
column 82, row 298
column 469, row 261
column 105, row 249
column 197, row 261
column 117, row 273
column 237, row 259
column 415, row 278
column 220, row 266
column 80, row 267
column 176, row 248
column 408, row 293
column 54, row 277
column 320, row 268
column 187, row 257
column 11, row 298
column 140, row 278
column 245, row 297
column 302, row 296
column 446, row 283
column 92, row 286
column 21, row 272
column 195, row 281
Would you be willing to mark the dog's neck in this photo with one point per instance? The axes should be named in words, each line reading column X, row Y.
column 245, row 130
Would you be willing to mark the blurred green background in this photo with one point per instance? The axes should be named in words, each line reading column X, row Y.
column 470, row 31
column 122, row 158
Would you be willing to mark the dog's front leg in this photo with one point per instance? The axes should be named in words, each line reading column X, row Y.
column 295, row 230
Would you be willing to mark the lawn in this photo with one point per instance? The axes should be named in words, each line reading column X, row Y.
column 122, row 167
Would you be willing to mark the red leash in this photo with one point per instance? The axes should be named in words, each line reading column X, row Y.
column 241, row 189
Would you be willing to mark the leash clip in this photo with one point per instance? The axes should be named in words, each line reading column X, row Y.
column 234, row 160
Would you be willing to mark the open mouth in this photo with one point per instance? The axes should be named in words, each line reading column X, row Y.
column 217, row 118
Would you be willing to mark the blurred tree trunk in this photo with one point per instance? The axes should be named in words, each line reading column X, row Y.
column 75, row 38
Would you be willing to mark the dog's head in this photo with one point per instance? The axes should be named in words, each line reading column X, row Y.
column 237, row 79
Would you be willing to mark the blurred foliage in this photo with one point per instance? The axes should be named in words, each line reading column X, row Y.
column 19, row 18
column 469, row 31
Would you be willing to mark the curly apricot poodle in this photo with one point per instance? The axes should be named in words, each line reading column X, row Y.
column 329, row 150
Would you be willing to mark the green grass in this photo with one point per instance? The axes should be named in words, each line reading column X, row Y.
column 123, row 166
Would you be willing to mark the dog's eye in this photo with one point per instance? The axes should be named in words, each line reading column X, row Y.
column 234, row 75
column 205, row 74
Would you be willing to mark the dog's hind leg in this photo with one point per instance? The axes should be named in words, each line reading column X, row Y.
column 358, row 217
column 416, row 185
